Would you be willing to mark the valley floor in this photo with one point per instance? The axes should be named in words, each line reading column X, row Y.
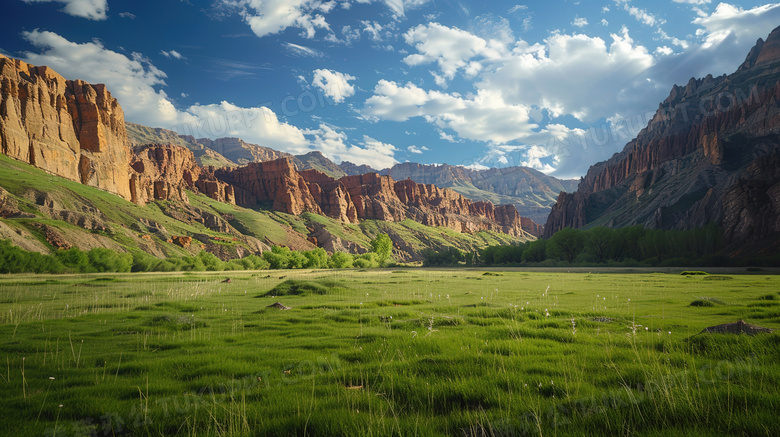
column 466, row 352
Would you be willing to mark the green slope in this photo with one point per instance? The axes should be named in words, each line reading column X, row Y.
column 124, row 226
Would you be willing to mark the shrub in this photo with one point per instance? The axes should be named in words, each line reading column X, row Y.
column 341, row 260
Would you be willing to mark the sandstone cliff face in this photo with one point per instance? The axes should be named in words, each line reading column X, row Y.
column 166, row 172
column 331, row 195
column 68, row 128
column 369, row 196
column 272, row 181
column 706, row 157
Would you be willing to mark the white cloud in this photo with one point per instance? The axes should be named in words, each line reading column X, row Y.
column 334, row 145
column 484, row 117
column 476, row 167
column 730, row 21
column 90, row 9
column 726, row 36
column 641, row 15
column 451, row 48
column 372, row 28
column 269, row 17
column 334, row 84
column 417, row 150
column 541, row 75
column 171, row 54
column 255, row 125
column 516, row 8
column 580, row 22
column 693, row 2
column 127, row 15
column 132, row 80
column 604, row 22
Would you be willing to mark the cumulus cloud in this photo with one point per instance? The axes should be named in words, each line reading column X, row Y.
column 334, row 144
column 90, row 9
column 484, row 117
column 334, row 84
column 580, row 22
column 451, row 48
column 541, row 75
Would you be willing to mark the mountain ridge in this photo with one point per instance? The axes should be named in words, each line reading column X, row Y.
column 709, row 155
column 532, row 192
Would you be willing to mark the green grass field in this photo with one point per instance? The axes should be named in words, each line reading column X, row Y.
column 389, row 352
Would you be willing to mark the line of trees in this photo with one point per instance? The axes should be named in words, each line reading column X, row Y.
column 16, row 260
column 628, row 246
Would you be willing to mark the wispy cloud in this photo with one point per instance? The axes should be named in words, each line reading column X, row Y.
column 303, row 51
column 173, row 54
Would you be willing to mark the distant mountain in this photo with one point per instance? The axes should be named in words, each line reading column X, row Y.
column 711, row 154
column 353, row 169
column 532, row 192
column 139, row 135
column 317, row 161
column 237, row 150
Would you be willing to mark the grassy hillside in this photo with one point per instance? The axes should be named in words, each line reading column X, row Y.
column 87, row 218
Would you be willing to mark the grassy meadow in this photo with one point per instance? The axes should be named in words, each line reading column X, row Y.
column 426, row 352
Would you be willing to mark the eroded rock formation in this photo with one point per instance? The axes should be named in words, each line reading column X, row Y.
column 370, row 196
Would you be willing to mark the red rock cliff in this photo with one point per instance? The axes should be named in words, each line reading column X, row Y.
column 68, row 128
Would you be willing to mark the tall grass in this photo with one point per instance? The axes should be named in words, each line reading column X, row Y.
column 426, row 352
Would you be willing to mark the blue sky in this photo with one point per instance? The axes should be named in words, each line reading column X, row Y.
column 556, row 85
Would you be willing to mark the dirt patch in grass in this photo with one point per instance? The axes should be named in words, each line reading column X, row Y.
column 295, row 287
